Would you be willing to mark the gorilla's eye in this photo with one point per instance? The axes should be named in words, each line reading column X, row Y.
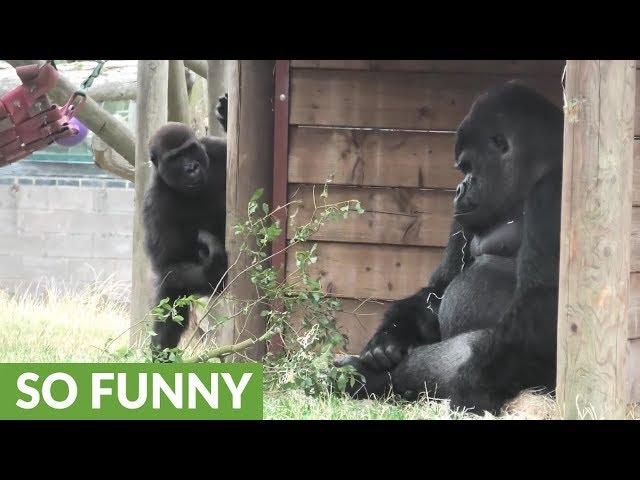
column 500, row 142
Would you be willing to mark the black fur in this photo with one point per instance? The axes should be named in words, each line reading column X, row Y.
column 184, row 217
column 484, row 328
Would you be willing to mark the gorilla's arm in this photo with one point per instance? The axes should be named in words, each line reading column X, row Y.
column 413, row 320
column 222, row 110
column 195, row 277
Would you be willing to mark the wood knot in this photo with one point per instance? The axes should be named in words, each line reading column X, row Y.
column 573, row 108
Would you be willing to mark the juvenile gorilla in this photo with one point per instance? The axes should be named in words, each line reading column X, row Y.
column 484, row 328
column 184, row 216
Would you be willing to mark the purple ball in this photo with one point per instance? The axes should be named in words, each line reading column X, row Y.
column 73, row 140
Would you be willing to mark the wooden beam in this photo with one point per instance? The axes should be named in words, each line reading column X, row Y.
column 178, row 101
column 111, row 161
column 99, row 121
column 153, row 80
column 249, row 167
column 199, row 67
column 595, row 249
column 502, row 67
column 114, row 91
column 217, row 82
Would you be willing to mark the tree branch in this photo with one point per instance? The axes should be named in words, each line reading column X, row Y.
column 229, row 349
column 111, row 161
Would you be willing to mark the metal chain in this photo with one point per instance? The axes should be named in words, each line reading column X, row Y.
column 94, row 74
column 89, row 80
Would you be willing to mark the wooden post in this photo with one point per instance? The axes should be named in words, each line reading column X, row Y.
column 249, row 167
column 199, row 107
column 217, row 81
column 592, row 379
column 153, row 82
column 178, row 101
column 199, row 67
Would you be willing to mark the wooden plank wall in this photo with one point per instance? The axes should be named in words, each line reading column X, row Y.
column 382, row 131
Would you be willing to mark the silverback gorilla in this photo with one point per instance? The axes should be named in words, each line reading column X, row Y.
column 484, row 328
column 184, row 216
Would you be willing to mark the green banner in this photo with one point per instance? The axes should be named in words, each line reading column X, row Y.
column 136, row 391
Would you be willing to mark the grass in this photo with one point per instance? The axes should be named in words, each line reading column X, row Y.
column 54, row 323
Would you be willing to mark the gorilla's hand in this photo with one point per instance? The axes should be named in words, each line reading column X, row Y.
column 209, row 247
column 221, row 110
column 407, row 323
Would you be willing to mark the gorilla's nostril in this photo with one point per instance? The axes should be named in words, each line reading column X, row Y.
column 460, row 190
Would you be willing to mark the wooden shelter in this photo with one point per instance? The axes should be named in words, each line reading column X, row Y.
column 382, row 131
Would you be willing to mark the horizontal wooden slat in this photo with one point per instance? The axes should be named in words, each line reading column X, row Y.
column 376, row 158
column 384, row 158
column 504, row 67
column 394, row 272
column 359, row 319
column 402, row 100
column 423, row 101
column 399, row 216
column 385, row 272
column 361, row 325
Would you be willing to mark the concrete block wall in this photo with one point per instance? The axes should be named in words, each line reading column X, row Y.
column 68, row 230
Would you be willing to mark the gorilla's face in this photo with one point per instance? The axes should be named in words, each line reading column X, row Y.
column 484, row 155
column 181, row 160
column 185, row 169
column 504, row 145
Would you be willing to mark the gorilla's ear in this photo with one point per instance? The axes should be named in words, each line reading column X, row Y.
column 153, row 156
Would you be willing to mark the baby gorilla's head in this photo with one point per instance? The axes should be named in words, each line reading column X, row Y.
column 180, row 159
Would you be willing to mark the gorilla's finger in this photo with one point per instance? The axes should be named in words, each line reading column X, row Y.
column 381, row 358
column 344, row 360
column 394, row 352
column 368, row 360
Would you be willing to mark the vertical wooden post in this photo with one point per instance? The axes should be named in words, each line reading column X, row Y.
column 199, row 106
column 249, row 167
column 217, row 85
column 151, row 114
column 595, row 241
column 178, row 98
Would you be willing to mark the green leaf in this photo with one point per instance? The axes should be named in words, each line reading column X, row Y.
column 256, row 195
